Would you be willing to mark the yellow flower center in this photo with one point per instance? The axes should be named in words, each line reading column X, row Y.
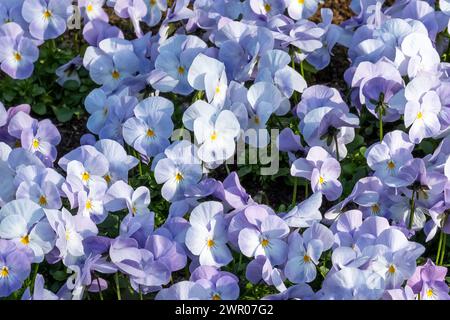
column 267, row 7
column 17, row 56
column 150, row 133
column 265, row 243
column 217, row 90
column 42, row 200
column 47, row 14
column 391, row 165
column 210, row 243
column 179, row 177
column 133, row 210
column 89, row 7
column 115, row 74
column 35, row 143
column 152, row 2
column 306, row 258
column 301, row 2
column 4, row 272
column 391, row 269
column 107, row 178
column 216, row 297
column 214, row 136
column 25, row 240
column 88, row 205
column 67, row 235
column 375, row 208
column 257, row 120
column 321, row 180
column 180, row 70
column 430, row 293
column 419, row 115
column 85, row 176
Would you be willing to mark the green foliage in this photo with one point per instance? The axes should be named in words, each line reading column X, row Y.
column 41, row 91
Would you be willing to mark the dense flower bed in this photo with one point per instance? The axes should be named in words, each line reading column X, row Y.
column 191, row 105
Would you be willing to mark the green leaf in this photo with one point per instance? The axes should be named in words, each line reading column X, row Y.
column 71, row 85
column 63, row 114
column 37, row 91
column 39, row 108
column 59, row 275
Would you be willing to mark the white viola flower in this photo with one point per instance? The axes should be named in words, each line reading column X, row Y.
column 216, row 136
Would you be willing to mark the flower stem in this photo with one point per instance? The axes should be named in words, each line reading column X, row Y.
column 444, row 244
column 99, row 289
column 380, row 119
column 306, row 189
column 337, row 146
column 412, row 209
column 141, row 297
column 33, row 278
column 116, row 279
column 294, row 192
column 227, row 168
column 438, row 254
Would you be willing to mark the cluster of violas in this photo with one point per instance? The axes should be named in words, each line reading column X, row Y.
column 236, row 65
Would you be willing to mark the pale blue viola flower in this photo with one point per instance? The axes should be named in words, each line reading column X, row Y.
column 96, row 31
column 306, row 213
column 18, row 53
column 155, row 9
column 149, row 131
column 173, row 62
column 15, row 267
column 39, row 291
column 81, row 175
column 274, row 67
column 11, row 11
column 322, row 170
column 25, row 222
column 209, row 74
column 111, row 63
column 264, row 99
column 267, row 8
column 98, row 103
column 70, row 233
column 302, row 9
column 420, row 56
column 183, row 290
column 134, row 10
column 221, row 285
column 145, row 272
column 216, row 137
column 47, row 18
column 122, row 196
column 93, row 9
column 389, row 156
column 207, row 236
column 120, row 163
column 38, row 137
column 422, row 109
column 178, row 11
column 118, row 114
column 240, row 47
column 305, row 251
column 321, row 57
column 264, row 236
column 139, row 226
column 394, row 257
column 352, row 284
column 42, row 186
column 179, row 170
column 90, row 203
column 69, row 72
